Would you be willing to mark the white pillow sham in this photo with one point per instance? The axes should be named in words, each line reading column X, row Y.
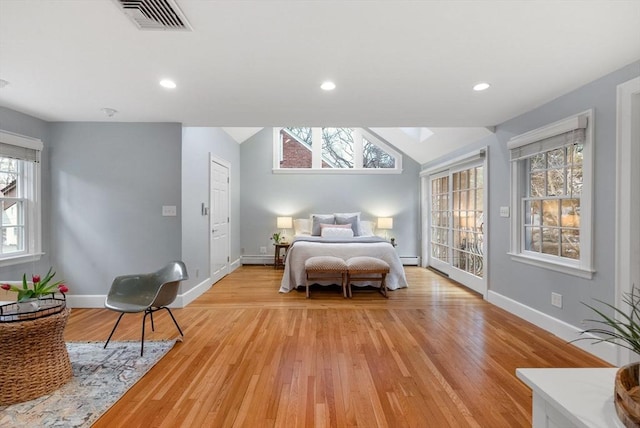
column 337, row 232
column 366, row 228
column 302, row 226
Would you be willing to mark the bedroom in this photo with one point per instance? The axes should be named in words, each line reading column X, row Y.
column 105, row 181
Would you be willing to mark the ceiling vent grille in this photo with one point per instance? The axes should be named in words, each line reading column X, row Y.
column 155, row 14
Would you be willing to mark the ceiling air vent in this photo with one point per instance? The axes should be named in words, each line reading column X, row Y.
column 155, row 14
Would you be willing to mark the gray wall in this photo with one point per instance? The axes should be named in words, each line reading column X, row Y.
column 109, row 182
column 532, row 286
column 266, row 195
column 29, row 126
column 197, row 143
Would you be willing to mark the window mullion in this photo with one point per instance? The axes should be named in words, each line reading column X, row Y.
column 357, row 149
column 316, row 148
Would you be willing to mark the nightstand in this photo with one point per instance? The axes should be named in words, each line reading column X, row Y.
column 278, row 261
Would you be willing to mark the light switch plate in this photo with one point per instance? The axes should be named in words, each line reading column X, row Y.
column 504, row 211
column 169, row 210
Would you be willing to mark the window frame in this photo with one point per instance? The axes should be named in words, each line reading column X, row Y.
column 316, row 149
column 582, row 267
column 30, row 175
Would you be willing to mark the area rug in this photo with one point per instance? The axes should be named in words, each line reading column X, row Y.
column 100, row 378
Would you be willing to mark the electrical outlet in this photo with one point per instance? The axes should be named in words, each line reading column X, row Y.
column 556, row 300
column 263, row 250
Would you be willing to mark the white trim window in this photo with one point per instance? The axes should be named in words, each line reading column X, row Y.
column 332, row 150
column 20, row 222
column 551, row 201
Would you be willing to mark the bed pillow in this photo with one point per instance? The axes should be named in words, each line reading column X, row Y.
column 336, row 231
column 348, row 215
column 366, row 228
column 317, row 220
column 302, row 226
column 351, row 220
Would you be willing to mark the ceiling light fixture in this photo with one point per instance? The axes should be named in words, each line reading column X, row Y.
column 3, row 83
column 109, row 112
column 168, row 83
column 328, row 86
column 481, row 86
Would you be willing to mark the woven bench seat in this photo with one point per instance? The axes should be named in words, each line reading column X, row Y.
column 365, row 268
column 322, row 268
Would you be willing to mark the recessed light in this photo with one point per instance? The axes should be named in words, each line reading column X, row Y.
column 109, row 112
column 328, row 86
column 168, row 83
column 481, row 86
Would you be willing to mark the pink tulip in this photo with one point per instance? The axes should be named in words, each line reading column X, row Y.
column 35, row 279
column 63, row 288
column 5, row 287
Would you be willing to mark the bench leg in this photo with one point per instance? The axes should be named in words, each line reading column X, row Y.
column 383, row 285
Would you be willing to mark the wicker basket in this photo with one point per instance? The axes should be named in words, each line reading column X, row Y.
column 34, row 359
column 627, row 395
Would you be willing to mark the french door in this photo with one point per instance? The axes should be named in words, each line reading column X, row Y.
column 456, row 223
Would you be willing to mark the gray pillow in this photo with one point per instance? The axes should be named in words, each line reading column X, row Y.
column 352, row 220
column 317, row 220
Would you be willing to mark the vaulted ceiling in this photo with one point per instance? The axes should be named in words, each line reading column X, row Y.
column 395, row 63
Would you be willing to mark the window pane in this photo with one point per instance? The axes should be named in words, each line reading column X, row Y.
column 12, row 213
column 12, row 239
column 537, row 184
column 532, row 212
column 574, row 181
column 537, row 162
column 555, row 158
column 337, row 148
column 550, row 241
column 571, row 213
column 374, row 157
column 571, row 244
column 532, row 238
column 550, row 213
column 295, row 148
column 555, row 182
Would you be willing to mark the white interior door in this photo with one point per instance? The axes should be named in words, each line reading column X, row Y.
column 456, row 224
column 219, row 220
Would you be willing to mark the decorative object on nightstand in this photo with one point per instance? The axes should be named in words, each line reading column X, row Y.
column 393, row 241
column 278, row 260
column 385, row 223
column 283, row 223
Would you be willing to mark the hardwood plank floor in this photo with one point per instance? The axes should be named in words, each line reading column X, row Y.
column 431, row 355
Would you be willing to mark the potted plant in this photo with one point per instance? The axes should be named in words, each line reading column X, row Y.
column 623, row 329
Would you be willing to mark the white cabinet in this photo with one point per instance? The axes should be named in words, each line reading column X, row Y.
column 565, row 398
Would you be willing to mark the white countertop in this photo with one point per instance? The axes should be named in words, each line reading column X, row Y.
column 583, row 396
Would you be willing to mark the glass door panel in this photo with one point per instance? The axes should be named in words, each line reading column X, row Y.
column 456, row 242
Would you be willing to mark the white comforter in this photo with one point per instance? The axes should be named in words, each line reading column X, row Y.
column 300, row 251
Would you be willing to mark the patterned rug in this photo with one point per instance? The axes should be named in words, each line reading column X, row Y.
column 100, row 378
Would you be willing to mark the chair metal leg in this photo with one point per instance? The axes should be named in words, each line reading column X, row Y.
column 144, row 319
column 174, row 320
column 153, row 327
column 114, row 329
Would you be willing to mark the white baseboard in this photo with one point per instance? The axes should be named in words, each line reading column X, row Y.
column 603, row 350
column 182, row 300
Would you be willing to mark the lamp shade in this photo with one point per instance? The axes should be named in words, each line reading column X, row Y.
column 284, row 222
column 385, row 222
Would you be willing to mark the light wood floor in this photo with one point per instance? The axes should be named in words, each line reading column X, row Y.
column 432, row 355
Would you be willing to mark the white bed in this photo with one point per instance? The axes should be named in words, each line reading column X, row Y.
column 304, row 247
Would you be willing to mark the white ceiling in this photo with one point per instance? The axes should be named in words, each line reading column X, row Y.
column 260, row 63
